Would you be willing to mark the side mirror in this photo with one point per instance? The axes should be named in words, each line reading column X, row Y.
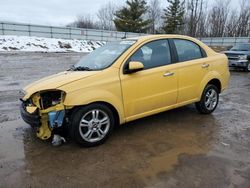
column 134, row 66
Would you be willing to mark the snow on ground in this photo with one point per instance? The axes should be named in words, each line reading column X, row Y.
column 39, row 44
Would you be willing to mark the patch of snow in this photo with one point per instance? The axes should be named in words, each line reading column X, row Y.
column 40, row 44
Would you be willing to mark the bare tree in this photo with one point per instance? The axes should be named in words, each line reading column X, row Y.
column 244, row 19
column 193, row 16
column 154, row 14
column 106, row 16
column 218, row 18
column 218, row 21
column 85, row 21
column 201, row 28
column 232, row 24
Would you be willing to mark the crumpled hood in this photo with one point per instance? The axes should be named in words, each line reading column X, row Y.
column 57, row 80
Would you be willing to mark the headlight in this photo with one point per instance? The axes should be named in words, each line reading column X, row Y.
column 21, row 94
column 242, row 57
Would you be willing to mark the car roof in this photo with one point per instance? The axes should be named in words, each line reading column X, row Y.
column 146, row 38
column 159, row 36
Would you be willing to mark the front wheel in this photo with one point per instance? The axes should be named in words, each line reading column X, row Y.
column 92, row 124
column 209, row 100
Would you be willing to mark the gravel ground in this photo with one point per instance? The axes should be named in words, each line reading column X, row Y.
column 178, row 148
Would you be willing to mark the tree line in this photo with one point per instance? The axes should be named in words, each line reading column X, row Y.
column 197, row 18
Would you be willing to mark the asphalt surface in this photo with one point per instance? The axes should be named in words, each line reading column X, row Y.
column 178, row 148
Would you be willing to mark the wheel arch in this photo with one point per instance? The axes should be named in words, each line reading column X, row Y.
column 216, row 82
column 113, row 109
column 214, row 78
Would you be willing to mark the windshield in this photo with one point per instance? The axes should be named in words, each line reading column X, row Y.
column 241, row 47
column 104, row 56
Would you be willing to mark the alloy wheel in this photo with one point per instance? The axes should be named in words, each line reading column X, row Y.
column 211, row 99
column 94, row 125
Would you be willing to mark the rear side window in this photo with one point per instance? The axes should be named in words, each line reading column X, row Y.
column 187, row 50
column 153, row 54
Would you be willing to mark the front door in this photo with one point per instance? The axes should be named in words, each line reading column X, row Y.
column 154, row 88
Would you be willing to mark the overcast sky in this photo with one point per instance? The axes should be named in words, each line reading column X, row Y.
column 55, row 12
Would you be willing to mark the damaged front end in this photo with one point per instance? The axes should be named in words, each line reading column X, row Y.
column 44, row 111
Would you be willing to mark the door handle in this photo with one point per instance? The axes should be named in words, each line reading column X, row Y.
column 168, row 74
column 205, row 65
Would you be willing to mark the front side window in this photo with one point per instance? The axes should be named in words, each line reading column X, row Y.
column 153, row 54
column 187, row 50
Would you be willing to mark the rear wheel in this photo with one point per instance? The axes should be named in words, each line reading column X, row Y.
column 92, row 124
column 209, row 100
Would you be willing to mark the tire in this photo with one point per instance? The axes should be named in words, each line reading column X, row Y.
column 209, row 100
column 248, row 67
column 91, row 125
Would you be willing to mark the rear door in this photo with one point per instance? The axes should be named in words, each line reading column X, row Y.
column 193, row 66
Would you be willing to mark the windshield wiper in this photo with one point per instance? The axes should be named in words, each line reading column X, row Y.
column 80, row 68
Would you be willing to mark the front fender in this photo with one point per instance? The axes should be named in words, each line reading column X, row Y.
column 79, row 98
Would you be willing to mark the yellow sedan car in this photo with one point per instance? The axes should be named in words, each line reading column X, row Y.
column 124, row 81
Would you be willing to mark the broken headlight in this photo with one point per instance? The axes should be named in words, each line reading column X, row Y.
column 51, row 98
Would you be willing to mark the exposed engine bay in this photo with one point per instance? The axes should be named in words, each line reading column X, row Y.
column 45, row 112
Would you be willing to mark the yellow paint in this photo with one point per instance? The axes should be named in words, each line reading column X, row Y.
column 31, row 109
column 135, row 65
column 138, row 94
column 44, row 132
column 35, row 100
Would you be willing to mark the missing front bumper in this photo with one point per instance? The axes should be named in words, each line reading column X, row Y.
column 43, row 121
column 39, row 123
